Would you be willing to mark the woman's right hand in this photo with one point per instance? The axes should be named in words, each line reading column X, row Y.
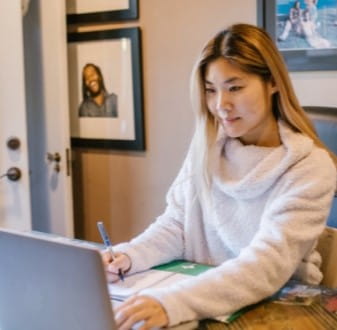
column 121, row 261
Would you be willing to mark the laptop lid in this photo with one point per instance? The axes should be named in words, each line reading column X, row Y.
column 50, row 284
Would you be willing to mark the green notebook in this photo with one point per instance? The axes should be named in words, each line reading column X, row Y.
column 183, row 267
column 162, row 276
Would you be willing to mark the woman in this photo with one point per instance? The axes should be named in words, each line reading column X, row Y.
column 293, row 22
column 252, row 196
column 310, row 33
column 311, row 6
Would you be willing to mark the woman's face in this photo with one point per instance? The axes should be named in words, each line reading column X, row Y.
column 242, row 103
column 309, row 2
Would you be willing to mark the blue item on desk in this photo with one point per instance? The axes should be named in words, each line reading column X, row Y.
column 108, row 245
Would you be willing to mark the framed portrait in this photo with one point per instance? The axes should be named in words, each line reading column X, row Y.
column 105, row 89
column 100, row 11
column 305, row 31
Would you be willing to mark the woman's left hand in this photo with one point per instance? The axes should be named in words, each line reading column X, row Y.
column 144, row 309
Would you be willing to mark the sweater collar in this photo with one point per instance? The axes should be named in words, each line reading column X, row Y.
column 246, row 171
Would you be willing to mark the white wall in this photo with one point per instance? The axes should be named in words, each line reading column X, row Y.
column 316, row 87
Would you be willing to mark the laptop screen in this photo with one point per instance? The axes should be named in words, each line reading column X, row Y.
column 50, row 284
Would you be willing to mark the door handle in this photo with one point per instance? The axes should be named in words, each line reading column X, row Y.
column 13, row 174
column 56, row 159
column 13, row 143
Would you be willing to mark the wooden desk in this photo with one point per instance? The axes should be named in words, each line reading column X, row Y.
column 272, row 316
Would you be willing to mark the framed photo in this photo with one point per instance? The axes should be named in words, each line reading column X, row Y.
column 98, row 11
column 105, row 89
column 305, row 31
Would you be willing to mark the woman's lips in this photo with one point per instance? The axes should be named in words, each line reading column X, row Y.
column 231, row 120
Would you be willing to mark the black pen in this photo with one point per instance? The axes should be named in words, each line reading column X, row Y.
column 108, row 245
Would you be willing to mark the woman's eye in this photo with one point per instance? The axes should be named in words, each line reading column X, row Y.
column 234, row 88
column 209, row 90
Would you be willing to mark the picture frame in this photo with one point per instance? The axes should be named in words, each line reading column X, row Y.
column 106, row 63
column 101, row 11
column 311, row 47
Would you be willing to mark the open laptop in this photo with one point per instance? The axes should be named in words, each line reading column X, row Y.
column 50, row 284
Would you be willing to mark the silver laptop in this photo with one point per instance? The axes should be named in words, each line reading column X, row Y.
column 50, row 284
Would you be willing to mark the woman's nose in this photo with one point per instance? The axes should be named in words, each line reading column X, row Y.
column 223, row 103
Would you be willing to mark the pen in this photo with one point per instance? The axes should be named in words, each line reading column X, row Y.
column 108, row 245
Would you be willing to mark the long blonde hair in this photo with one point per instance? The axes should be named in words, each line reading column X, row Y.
column 253, row 51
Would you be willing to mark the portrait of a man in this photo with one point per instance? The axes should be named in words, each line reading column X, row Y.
column 96, row 102
column 105, row 89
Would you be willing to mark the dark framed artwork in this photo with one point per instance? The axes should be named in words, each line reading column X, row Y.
column 99, row 11
column 305, row 31
column 105, row 89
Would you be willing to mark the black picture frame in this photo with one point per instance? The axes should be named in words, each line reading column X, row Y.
column 129, row 85
column 310, row 59
column 131, row 13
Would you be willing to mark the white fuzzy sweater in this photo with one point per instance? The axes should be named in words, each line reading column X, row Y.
column 269, row 207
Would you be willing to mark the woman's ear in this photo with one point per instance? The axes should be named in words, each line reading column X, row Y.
column 272, row 85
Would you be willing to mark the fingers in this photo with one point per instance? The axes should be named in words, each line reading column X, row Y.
column 106, row 257
column 144, row 311
column 120, row 261
column 113, row 266
column 112, row 277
